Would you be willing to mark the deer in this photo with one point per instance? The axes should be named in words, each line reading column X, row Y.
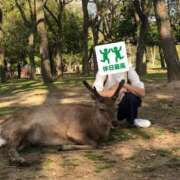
column 68, row 126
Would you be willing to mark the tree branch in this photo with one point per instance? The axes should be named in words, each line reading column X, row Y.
column 51, row 13
column 138, row 8
column 50, row 25
column 30, row 9
column 26, row 22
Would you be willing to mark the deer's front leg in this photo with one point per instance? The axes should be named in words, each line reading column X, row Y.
column 14, row 143
column 80, row 138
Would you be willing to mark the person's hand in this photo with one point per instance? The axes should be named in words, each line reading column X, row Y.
column 126, row 85
column 123, row 90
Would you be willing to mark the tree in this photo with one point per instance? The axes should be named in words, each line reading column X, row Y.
column 163, row 65
column 58, row 19
column 94, row 23
column 142, row 8
column 2, row 64
column 44, row 51
column 166, row 40
column 85, row 37
column 31, row 25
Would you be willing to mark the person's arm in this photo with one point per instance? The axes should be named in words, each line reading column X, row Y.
column 126, row 88
column 109, row 92
column 135, row 90
column 136, row 86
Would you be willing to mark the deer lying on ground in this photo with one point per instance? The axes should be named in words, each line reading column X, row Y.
column 70, row 126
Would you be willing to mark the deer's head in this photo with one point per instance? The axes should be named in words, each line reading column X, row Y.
column 104, row 103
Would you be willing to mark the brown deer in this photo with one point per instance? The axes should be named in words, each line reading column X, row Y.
column 70, row 126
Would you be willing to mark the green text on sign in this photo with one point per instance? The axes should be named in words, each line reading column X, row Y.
column 113, row 67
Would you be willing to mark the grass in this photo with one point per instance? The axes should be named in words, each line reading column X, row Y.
column 7, row 110
column 157, row 131
column 48, row 164
column 175, row 130
column 70, row 163
column 155, row 159
column 125, row 134
column 121, row 135
column 157, row 75
column 100, row 161
column 15, row 86
column 163, row 152
column 162, row 160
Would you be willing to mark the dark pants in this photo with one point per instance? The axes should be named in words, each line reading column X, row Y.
column 128, row 108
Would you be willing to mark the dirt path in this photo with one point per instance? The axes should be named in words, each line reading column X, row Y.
column 130, row 154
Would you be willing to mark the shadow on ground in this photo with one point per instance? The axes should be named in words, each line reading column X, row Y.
column 129, row 154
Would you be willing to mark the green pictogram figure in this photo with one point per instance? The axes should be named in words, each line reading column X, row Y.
column 117, row 53
column 105, row 54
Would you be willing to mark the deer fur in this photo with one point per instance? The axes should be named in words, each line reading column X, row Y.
column 75, row 126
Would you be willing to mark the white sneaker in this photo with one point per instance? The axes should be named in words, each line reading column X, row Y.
column 143, row 123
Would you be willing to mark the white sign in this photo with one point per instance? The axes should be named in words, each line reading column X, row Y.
column 112, row 58
column 92, row 9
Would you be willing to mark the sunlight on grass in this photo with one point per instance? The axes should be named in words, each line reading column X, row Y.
column 48, row 164
column 126, row 134
column 70, row 163
column 100, row 161
column 7, row 110
column 155, row 159
column 155, row 75
column 14, row 87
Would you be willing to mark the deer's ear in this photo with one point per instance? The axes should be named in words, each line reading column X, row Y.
column 121, row 84
column 94, row 94
column 86, row 84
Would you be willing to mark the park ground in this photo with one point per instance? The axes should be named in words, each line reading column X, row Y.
column 129, row 154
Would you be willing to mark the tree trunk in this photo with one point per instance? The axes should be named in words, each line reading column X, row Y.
column 95, row 40
column 141, row 47
column 85, row 37
column 60, row 38
column 59, row 63
column 2, row 64
column 59, row 35
column 143, row 16
column 166, row 40
column 52, row 62
column 178, row 7
column 31, row 55
column 163, row 65
column 95, row 32
column 31, row 25
column 19, row 70
column 44, row 52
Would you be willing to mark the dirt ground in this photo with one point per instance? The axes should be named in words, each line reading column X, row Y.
column 130, row 154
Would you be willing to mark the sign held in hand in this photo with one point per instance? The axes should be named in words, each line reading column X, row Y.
column 112, row 58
